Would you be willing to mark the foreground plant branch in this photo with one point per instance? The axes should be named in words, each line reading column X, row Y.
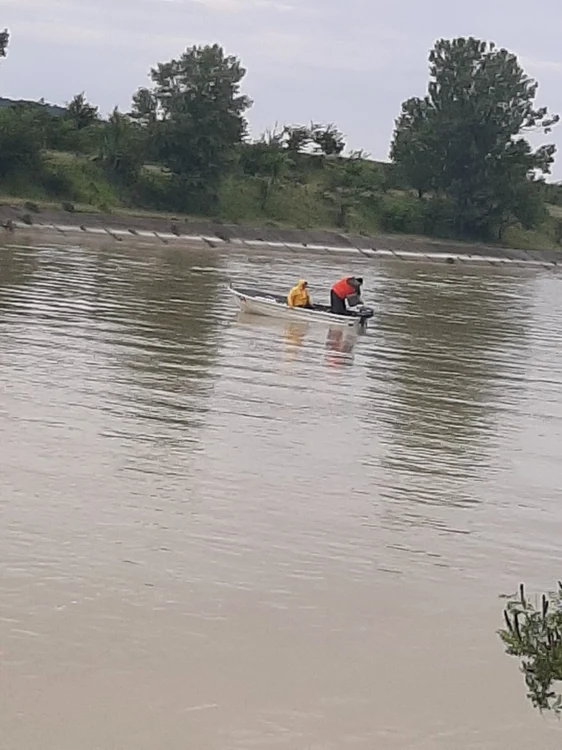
column 533, row 633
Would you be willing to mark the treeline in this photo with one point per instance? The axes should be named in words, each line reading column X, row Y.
column 461, row 165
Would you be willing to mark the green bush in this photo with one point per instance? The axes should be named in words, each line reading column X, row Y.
column 239, row 199
column 159, row 190
column 401, row 213
column 438, row 217
column 57, row 182
column 20, row 142
column 78, row 180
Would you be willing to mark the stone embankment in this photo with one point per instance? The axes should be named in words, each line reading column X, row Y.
column 78, row 227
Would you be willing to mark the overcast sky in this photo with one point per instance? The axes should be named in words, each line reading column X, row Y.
column 351, row 62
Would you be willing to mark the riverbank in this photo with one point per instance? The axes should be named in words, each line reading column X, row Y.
column 21, row 220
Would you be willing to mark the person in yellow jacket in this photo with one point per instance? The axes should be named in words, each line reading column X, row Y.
column 299, row 296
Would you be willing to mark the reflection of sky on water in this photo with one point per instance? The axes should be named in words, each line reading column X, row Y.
column 147, row 321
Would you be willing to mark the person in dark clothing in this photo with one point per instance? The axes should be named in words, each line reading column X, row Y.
column 346, row 289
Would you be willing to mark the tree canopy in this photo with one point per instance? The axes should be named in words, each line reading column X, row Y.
column 122, row 147
column 4, row 41
column 196, row 112
column 81, row 113
column 20, row 141
column 466, row 137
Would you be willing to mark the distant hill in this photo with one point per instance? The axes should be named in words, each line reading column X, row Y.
column 52, row 109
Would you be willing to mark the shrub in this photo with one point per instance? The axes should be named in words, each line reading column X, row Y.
column 533, row 634
column 20, row 141
column 402, row 213
column 438, row 217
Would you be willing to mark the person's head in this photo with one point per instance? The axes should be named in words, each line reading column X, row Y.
column 360, row 280
column 303, row 284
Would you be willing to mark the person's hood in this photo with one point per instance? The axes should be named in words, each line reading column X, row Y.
column 301, row 283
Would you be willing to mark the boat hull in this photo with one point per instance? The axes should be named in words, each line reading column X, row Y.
column 274, row 306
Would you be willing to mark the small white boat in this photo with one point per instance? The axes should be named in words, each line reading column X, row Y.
column 257, row 302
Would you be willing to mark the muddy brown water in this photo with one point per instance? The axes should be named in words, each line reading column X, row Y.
column 226, row 533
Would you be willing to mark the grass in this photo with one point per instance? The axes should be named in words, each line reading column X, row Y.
column 531, row 239
column 295, row 205
column 6, row 199
column 555, row 211
column 63, row 177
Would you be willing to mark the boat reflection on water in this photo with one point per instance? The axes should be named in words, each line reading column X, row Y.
column 339, row 343
column 295, row 333
column 294, row 336
column 340, row 347
column 291, row 333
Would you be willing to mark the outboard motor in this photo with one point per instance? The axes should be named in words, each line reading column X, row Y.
column 364, row 314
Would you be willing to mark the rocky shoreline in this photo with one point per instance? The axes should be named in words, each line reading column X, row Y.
column 17, row 221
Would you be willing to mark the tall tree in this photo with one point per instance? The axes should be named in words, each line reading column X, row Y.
column 466, row 137
column 414, row 146
column 198, row 109
column 122, row 147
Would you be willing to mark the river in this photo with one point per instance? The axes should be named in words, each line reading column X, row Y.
column 226, row 533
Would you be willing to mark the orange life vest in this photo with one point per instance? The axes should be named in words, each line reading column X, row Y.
column 343, row 288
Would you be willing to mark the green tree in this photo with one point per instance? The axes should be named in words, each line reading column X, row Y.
column 197, row 112
column 296, row 138
column 4, row 41
column 327, row 139
column 55, row 131
column 81, row 127
column 145, row 107
column 465, row 138
column 145, row 112
column 81, row 113
column 533, row 634
column 350, row 183
column 122, row 147
column 415, row 145
column 20, row 142
column 268, row 162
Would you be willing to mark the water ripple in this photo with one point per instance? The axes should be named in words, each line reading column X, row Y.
column 211, row 495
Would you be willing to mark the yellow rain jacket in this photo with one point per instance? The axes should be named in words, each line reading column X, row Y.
column 298, row 296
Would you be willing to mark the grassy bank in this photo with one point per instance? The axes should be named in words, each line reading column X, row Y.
column 309, row 198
